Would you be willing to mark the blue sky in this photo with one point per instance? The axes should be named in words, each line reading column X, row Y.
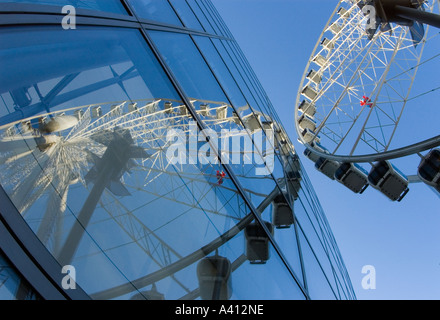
column 399, row 239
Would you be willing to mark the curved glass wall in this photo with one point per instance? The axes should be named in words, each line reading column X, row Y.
column 145, row 154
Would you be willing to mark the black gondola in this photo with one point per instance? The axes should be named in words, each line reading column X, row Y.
column 293, row 175
column 214, row 275
column 312, row 156
column 327, row 167
column 257, row 242
column 389, row 180
column 353, row 176
column 282, row 214
column 429, row 169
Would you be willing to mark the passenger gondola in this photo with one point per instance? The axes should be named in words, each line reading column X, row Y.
column 429, row 169
column 389, row 180
column 353, row 176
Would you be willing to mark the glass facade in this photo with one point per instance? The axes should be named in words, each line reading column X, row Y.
column 141, row 151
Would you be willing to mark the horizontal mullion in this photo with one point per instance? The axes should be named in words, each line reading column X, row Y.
column 56, row 19
column 167, row 28
column 49, row 9
column 33, row 18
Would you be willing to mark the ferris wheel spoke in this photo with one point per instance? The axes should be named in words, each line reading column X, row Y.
column 379, row 87
column 353, row 79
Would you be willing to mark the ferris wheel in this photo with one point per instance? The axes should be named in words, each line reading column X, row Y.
column 107, row 153
column 363, row 77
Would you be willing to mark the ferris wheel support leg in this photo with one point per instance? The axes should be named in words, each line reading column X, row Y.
column 412, row 14
column 108, row 169
column 79, row 228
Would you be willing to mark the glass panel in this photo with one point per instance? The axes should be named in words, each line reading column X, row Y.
column 207, row 13
column 12, row 286
column 95, row 66
column 306, row 218
column 155, row 10
column 240, row 138
column 317, row 283
column 186, row 14
column 316, row 237
column 286, row 238
column 188, row 66
column 234, row 93
column 114, row 6
column 219, row 20
column 252, row 88
column 197, row 80
column 200, row 16
column 272, row 270
column 219, row 68
column 312, row 206
column 224, row 51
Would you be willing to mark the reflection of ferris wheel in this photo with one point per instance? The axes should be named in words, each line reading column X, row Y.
column 357, row 86
column 115, row 150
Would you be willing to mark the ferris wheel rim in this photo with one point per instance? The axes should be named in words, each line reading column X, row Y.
column 386, row 155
